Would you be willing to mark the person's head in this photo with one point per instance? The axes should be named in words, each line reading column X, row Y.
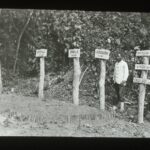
column 119, row 57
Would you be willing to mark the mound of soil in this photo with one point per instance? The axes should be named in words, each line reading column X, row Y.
column 29, row 116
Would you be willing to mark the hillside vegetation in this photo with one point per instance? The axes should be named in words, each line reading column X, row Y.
column 24, row 31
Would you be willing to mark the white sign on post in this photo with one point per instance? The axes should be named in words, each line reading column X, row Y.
column 143, row 53
column 74, row 53
column 142, row 87
column 140, row 80
column 142, row 67
column 102, row 53
column 41, row 53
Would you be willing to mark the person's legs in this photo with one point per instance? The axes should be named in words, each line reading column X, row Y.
column 116, row 101
column 121, row 94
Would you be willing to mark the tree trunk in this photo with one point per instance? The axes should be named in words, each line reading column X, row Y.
column 102, row 84
column 76, row 80
column 142, row 91
column 19, row 39
column 42, row 76
column 1, row 85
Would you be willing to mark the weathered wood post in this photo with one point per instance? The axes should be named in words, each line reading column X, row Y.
column 102, row 84
column 103, row 54
column 75, row 54
column 1, row 83
column 42, row 53
column 143, row 81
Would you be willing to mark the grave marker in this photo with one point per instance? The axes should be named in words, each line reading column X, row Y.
column 102, row 54
column 142, row 81
column 143, row 53
column 142, row 67
column 75, row 54
column 42, row 53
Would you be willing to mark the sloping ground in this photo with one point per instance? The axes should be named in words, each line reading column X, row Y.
column 50, row 110
column 57, row 116
column 59, row 86
column 56, row 86
column 28, row 116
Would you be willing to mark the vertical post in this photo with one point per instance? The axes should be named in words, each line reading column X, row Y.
column 42, row 53
column 75, row 54
column 76, row 80
column 42, row 76
column 102, row 54
column 142, row 91
column 1, row 85
column 102, row 84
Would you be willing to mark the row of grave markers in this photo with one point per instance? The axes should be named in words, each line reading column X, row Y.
column 99, row 53
column 103, row 55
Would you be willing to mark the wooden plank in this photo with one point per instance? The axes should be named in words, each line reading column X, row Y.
column 102, row 84
column 74, row 53
column 41, row 53
column 140, row 80
column 76, row 80
column 142, row 92
column 42, row 76
column 142, row 67
column 143, row 53
column 102, row 53
column 1, row 83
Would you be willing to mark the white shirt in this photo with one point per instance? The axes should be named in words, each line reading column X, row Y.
column 121, row 72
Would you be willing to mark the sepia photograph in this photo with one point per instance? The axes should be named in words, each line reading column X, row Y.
column 74, row 73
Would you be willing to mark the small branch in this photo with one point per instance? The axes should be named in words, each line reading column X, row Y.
column 81, row 67
column 83, row 75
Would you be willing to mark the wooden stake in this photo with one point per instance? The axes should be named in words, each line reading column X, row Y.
column 142, row 90
column 103, row 54
column 42, row 76
column 76, row 80
column 121, row 106
column 1, row 85
column 102, row 84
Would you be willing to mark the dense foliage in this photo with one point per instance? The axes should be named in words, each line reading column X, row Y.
column 58, row 31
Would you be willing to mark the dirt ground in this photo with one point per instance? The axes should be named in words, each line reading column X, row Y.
column 29, row 116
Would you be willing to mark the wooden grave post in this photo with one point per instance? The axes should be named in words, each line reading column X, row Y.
column 42, row 53
column 75, row 54
column 1, row 83
column 102, row 54
column 143, row 81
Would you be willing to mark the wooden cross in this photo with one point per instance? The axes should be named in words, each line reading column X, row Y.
column 143, row 81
